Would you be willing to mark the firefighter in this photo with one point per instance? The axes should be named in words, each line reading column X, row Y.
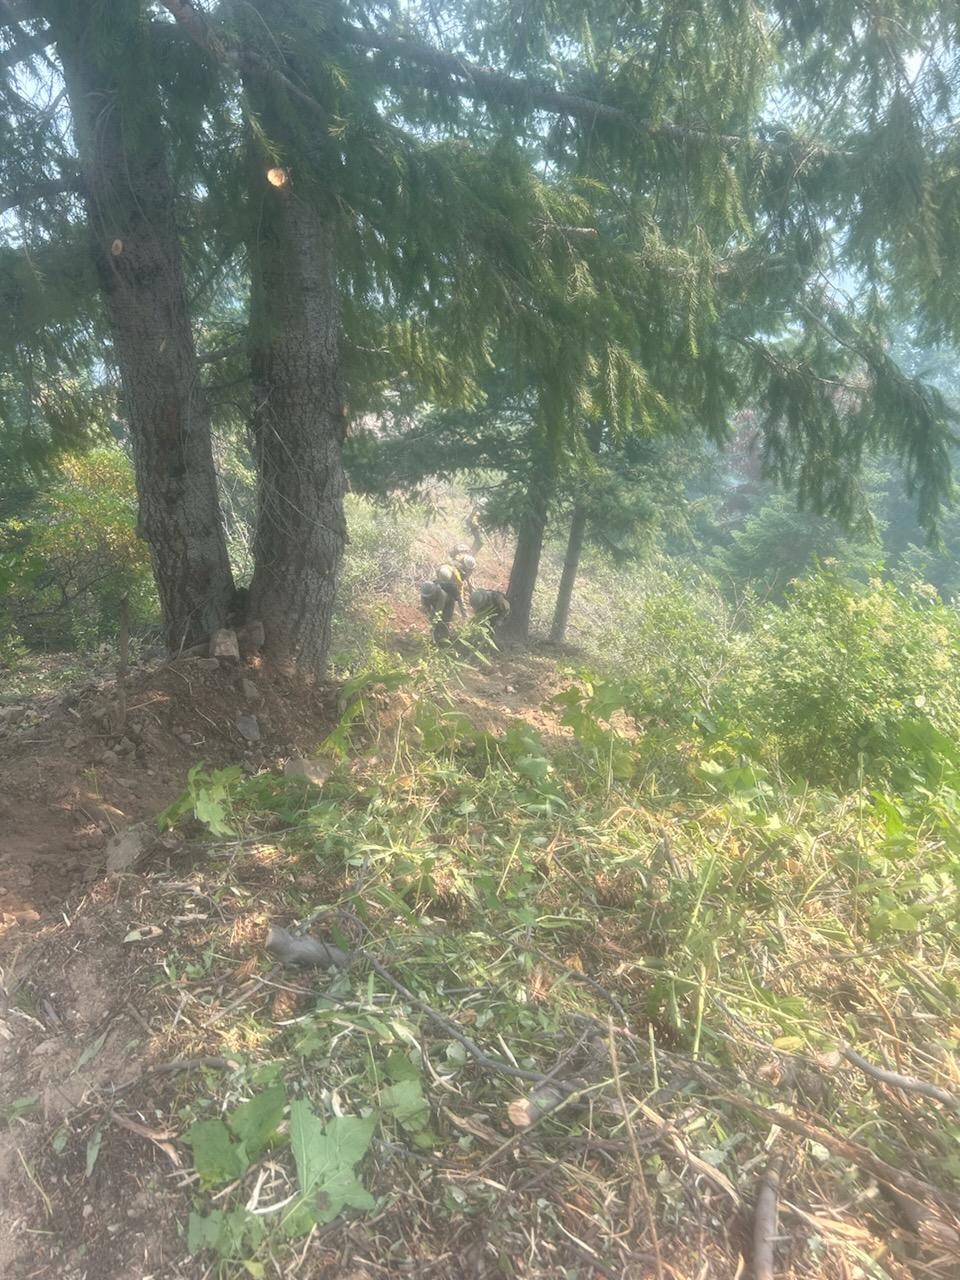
column 475, row 528
column 489, row 607
column 447, row 593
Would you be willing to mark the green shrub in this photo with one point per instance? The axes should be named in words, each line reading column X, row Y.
column 75, row 553
column 379, row 558
column 822, row 687
column 779, row 544
column 836, row 672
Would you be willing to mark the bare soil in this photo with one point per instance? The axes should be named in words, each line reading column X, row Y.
column 95, row 1191
column 73, row 774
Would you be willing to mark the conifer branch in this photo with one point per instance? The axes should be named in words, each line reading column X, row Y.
column 22, row 51
column 28, row 45
column 197, row 26
column 468, row 80
column 48, row 189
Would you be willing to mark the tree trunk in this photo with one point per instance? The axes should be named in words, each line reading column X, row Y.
column 298, row 425
column 571, row 563
column 131, row 210
column 523, row 573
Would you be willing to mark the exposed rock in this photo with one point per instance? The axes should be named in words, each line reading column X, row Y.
column 249, row 690
column 249, row 728
column 223, row 644
column 127, row 848
column 289, row 948
column 314, row 768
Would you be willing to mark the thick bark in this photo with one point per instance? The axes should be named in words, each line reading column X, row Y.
column 131, row 210
column 571, row 564
column 526, row 566
column 298, row 425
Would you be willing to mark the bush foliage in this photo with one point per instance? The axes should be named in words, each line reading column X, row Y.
column 825, row 687
column 70, row 558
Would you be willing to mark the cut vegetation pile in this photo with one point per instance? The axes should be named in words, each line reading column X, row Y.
column 606, row 1011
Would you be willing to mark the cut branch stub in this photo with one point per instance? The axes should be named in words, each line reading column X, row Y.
column 223, row 644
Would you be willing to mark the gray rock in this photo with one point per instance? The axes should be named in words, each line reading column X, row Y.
column 223, row 644
column 314, row 768
column 248, row 727
column 249, row 690
column 305, row 951
column 127, row 848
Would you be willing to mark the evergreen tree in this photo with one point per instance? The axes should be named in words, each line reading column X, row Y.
column 439, row 174
column 106, row 59
column 611, row 489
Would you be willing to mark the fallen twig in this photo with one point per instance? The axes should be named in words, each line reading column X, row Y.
column 524, row 1132
column 641, row 1179
column 159, row 1138
column 765, row 1220
column 907, row 1183
column 189, row 1064
column 451, row 1028
column 700, row 1166
column 908, row 1084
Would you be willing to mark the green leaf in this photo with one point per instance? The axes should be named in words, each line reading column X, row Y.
column 902, row 921
column 789, row 1044
column 229, row 1234
column 536, row 768
column 93, row 1149
column 212, row 814
column 325, row 1159
column 215, row 1157
column 255, row 1122
column 399, row 1067
column 92, row 1049
column 19, row 1107
column 170, row 816
column 341, row 1190
column 307, row 1141
column 406, row 1103
column 204, row 1233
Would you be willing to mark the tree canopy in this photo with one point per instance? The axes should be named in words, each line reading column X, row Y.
column 643, row 214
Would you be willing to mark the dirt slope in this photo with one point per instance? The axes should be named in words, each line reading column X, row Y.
column 72, row 775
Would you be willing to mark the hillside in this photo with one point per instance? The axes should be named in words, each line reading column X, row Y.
column 551, row 913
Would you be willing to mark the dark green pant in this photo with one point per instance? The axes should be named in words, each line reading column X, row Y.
column 441, row 628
